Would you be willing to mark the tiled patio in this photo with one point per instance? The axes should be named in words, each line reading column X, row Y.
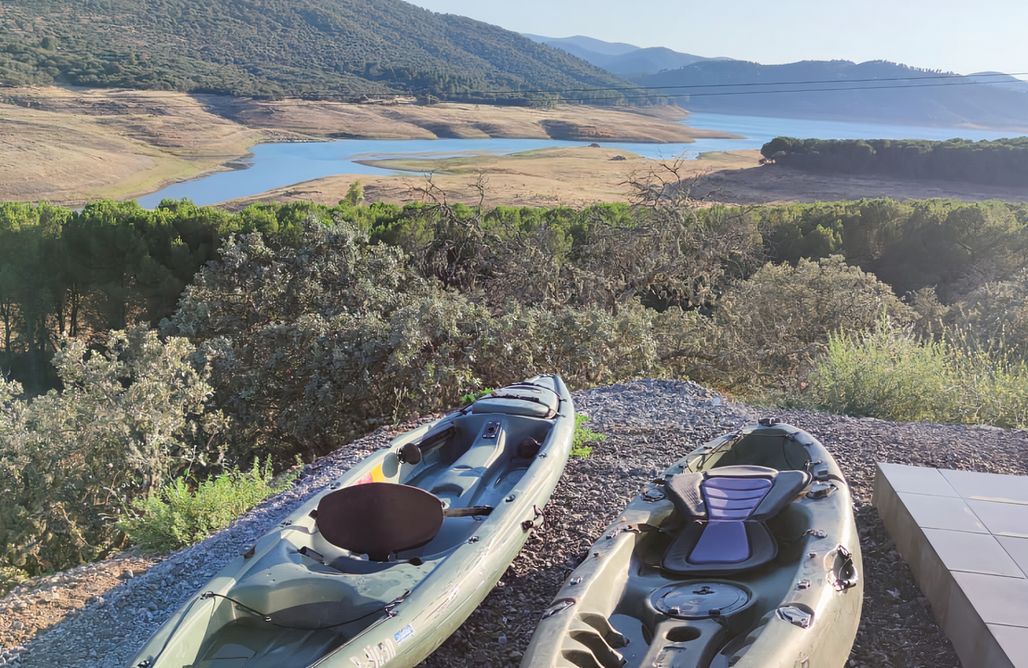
column 965, row 536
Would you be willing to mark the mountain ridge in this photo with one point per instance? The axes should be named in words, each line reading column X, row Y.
column 951, row 101
column 334, row 49
column 622, row 59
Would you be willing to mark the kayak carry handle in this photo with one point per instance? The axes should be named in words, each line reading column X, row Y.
column 844, row 571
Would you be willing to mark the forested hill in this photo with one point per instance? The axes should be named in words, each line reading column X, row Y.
column 309, row 48
column 1003, row 105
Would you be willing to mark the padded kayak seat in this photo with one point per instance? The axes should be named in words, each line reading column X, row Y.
column 725, row 510
column 379, row 518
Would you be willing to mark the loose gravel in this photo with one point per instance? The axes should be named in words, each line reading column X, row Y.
column 110, row 609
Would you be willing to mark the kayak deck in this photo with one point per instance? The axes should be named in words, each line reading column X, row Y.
column 638, row 600
column 299, row 599
column 242, row 644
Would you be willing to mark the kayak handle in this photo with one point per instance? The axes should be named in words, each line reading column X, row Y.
column 844, row 571
column 537, row 520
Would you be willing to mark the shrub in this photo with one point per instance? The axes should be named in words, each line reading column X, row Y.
column 771, row 327
column 996, row 314
column 472, row 397
column 585, row 438
column 892, row 373
column 11, row 578
column 312, row 346
column 179, row 515
column 129, row 417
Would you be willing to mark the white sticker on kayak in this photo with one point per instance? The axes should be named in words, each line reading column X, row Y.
column 403, row 634
column 376, row 656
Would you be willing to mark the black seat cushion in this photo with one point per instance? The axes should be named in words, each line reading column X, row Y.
column 725, row 510
column 379, row 518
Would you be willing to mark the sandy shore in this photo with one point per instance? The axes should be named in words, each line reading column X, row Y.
column 71, row 145
column 573, row 177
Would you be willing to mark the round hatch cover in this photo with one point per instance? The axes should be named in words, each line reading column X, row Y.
column 701, row 600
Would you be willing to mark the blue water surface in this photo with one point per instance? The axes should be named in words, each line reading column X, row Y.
column 275, row 165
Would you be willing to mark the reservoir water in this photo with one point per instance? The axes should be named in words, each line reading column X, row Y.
column 275, row 165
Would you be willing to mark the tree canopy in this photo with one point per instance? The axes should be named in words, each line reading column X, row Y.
column 1001, row 162
column 334, row 49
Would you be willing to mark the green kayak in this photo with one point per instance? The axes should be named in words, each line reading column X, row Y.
column 744, row 554
column 381, row 567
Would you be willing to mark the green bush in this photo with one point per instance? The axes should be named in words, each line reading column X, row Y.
column 11, row 578
column 129, row 417
column 585, row 438
column 472, row 397
column 353, row 327
column 180, row 515
column 996, row 313
column 771, row 327
column 892, row 373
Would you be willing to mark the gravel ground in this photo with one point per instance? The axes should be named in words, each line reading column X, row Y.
column 109, row 609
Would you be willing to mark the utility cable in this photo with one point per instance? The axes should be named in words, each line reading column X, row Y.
column 739, row 84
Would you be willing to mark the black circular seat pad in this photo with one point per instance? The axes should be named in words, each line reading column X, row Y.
column 379, row 518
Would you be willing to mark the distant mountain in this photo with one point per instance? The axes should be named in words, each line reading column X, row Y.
column 1002, row 80
column 985, row 104
column 621, row 59
column 313, row 48
column 582, row 44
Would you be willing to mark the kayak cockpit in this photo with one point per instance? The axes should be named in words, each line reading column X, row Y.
column 742, row 546
column 356, row 553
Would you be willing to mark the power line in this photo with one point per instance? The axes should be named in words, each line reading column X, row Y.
column 788, row 90
column 743, row 84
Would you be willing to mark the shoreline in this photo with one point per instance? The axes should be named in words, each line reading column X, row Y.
column 77, row 145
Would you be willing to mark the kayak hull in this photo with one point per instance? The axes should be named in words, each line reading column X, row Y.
column 295, row 599
column 622, row 606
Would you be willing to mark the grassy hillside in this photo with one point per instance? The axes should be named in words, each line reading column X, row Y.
column 308, row 48
column 989, row 105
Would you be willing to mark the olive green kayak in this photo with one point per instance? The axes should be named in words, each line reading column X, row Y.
column 382, row 566
column 744, row 554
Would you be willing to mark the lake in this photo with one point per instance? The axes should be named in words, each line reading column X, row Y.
column 275, row 165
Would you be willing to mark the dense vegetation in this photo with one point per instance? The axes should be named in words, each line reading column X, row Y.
column 1002, row 103
column 338, row 49
column 895, row 372
column 1000, row 162
column 180, row 514
column 306, row 325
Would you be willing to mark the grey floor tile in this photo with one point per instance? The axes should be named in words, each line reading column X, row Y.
column 996, row 599
column 1017, row 548
column 988, row 486
column 941, row 512
column 1002, row 519
column 917, row 479
column 1014, row 641
column 974, row 552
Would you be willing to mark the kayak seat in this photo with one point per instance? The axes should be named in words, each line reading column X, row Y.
column 725, row 512
column 379, row 518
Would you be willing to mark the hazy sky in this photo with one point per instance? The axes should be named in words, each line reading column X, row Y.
column 958, row 35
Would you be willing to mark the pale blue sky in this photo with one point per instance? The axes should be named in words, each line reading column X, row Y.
column 962, row 36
